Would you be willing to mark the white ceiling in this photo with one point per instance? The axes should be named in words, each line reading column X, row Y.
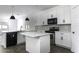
column 18, row 9
column 21, row 11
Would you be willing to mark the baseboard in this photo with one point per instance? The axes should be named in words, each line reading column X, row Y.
column 21, row 43
column 63, row 46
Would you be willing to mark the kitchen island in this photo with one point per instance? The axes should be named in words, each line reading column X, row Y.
column 37, row 42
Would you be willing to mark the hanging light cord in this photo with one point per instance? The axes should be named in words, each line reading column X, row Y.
column 12, row 10
column 12, row 17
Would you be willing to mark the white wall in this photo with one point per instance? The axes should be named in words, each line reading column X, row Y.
column 6, row 12
column 61, row 27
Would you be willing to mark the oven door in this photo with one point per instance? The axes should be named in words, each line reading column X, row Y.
column 52, row 39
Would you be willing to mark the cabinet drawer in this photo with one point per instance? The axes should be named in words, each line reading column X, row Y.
column 63, row 39
column 58, row 38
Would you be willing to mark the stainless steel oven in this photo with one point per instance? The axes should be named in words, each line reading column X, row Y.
column 52, row 35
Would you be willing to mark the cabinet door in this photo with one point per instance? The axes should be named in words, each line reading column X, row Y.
column 1, row 38
column 60, row 14
column 52, row 13
column 67, row 12
column 44, row 17
column 58, row 38
column 64, row 14
column 67, row 40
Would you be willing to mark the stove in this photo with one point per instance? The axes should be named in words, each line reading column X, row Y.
column 52, row 36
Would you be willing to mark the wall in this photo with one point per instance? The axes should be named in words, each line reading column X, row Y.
column 6, row 12
column 61, row 27
column 65, row 28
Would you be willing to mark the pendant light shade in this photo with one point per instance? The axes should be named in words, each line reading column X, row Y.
column 12, row 17
column 27, row 19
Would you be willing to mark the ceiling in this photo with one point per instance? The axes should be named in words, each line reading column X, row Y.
column 18, row 9
column 21, row 11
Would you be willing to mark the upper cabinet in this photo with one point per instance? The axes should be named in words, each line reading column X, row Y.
column 43, row 16
column 63, row 14
column 52, row 13
column 60, row 14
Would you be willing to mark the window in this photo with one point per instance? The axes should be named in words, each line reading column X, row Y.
column 0, row 26
column 4, row 26
column 27, row 27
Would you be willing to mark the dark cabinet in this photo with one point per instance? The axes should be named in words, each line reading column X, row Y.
column 11, row 39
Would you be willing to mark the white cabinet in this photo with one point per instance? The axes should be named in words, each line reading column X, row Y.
column 38, row 44
column 67, row 12
column 50, row 13
column 42, row 16
column 21, row 38
column 63, row 14
column 60, row 14
column 58, row 38
column 63, row 39
column 3, row 39
column 67, row 40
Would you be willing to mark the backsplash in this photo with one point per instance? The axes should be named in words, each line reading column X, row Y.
column 61, row 27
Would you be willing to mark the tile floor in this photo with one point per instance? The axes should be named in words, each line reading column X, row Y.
column 58, row 49
column 21, row 49
column 13, row 49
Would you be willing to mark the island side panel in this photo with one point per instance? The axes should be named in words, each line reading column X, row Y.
column 45, row 44
column 32, row 44
column 3, row 40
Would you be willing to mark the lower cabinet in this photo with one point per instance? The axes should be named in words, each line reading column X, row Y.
column 20, row 38
column 3, row 39
column 8, row 39
column 63, row 39
column 39, row 44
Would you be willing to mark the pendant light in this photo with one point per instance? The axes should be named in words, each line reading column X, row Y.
column 27, row 19
column 12, row 17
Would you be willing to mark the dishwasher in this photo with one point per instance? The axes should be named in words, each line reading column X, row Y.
column 11, row 39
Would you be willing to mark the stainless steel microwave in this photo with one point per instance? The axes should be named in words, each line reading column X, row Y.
column 52, row 21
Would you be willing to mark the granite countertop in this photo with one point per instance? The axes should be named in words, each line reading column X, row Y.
column 34, row 34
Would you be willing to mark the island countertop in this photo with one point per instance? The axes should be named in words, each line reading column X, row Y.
column 34, row 34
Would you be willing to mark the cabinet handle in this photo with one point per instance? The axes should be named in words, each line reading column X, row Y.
column 43, row 22
column 61, row 38
column 63, row 21
column 73, row 32
column 13, row 35
column 62, row 33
